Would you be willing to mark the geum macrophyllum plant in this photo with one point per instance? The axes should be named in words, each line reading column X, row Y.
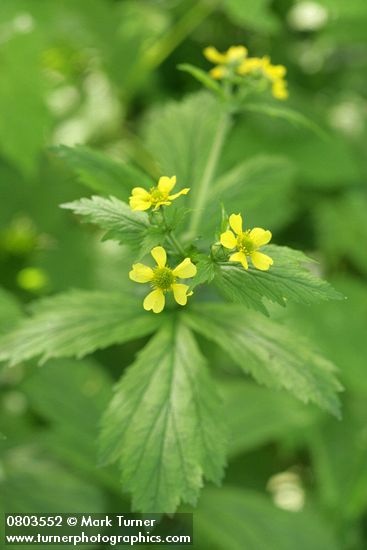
column 165, row 424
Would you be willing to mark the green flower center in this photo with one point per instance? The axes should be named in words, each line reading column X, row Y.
column 245, row 244
column 163, row 278
column 157, row 196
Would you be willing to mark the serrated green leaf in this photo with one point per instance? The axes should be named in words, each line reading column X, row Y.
column 237, row 519
column 294, row 117
column 205, row 271
column 100, row 172
column 122, row 223
column 287, row 279
column 76, row 323
column 153, row 236
column 164, row 424
column 271, row 353
column 202, row 77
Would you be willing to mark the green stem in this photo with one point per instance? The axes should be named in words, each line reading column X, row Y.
column 177, row 244
column 171, row 237
column 208, row 175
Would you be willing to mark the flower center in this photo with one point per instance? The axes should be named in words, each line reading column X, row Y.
column 245, row 244
column 157, row 196
column 163, row 278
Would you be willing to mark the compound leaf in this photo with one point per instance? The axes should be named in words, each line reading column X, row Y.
column 287, row 279
column 164, row 423
column 270, row 352
column 74, row 324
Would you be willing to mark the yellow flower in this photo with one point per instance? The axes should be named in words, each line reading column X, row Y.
column 247, row 244
column 141, row 199
column 226, row 62
column 163, row 279
column 274, row 73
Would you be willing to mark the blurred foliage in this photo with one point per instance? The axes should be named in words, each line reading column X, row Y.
column 103, row 75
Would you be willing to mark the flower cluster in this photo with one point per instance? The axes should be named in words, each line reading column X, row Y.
column 235, row 62
column 237, row 244
column 275, row 74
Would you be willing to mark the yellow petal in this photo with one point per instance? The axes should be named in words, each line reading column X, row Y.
column 259, row 236
column 185, row 269
column 180, row 293
column 236, row 53
column 141, row 193
column 261, row 261
column 275, row 72
column 239, row 257
column 161, row 203
column 155, row 301
column 228, row 240
column 235, row 221
column 166, row 184
column 250, row 65
column 141, row 273
column 218, row 72
column 279, row 89
column 160, row 256
column 137, row 203
column 182, row 192
column 213, row 55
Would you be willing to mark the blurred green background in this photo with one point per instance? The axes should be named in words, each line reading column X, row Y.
column 90, row 72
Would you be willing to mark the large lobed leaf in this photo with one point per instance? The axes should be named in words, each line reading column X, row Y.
column 270, row 352
column 76, row 323
column 164, row 424
column 287, row 279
